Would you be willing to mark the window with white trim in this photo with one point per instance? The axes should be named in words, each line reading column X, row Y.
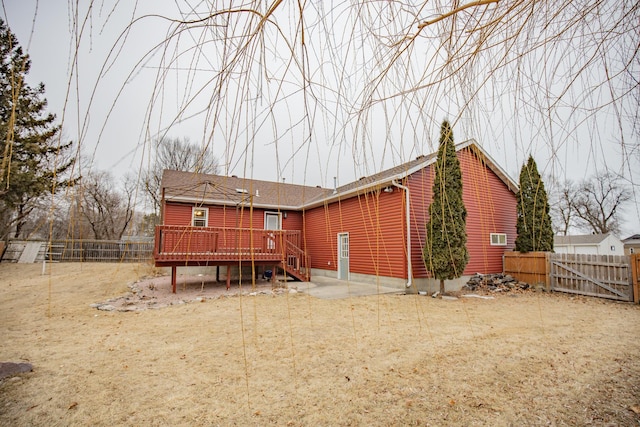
column 498, row 239
column 344, row 246
column 199, row 217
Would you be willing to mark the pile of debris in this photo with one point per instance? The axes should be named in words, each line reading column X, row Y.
column 156, row 292
column 494, row 283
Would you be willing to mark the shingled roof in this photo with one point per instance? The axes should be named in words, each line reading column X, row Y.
column 232, row 190
column 581, row 239
column 385, row 178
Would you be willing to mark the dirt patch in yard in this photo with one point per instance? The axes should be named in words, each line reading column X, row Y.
column 285, row 358
column 156, row 292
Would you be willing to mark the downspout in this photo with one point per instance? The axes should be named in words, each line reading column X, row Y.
column 408, row 217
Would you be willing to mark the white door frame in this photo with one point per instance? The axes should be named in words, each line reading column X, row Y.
column 271, row 242
column 342, row 259
column 270, row 213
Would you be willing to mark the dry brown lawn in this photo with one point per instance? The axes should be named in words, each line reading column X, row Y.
column 292, row 359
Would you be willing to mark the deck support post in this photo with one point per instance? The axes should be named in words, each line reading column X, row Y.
column 228, row 277
column 173, row 278
column 635, row 277
column 217, row 273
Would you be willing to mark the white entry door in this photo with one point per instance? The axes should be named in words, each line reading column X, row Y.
column 343, row 256
column 272, row 222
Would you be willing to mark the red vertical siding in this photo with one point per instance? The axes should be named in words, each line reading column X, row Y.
column 245, row 217
column 219, row 216
column 374, row 223
column 177, row 214
column 229, row 217
column 320, row 236
column 420, row 188
column 491, row 208
column 293, row 221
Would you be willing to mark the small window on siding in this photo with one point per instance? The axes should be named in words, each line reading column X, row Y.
column 344, row 246
column 498, row 239
column 200, row 217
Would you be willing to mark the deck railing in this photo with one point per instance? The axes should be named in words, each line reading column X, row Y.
column 214, row 244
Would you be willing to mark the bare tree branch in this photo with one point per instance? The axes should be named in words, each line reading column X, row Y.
column 107, row 211
column 598, row 203
column 175, row 154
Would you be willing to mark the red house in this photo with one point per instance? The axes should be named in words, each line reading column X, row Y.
column 369, row 230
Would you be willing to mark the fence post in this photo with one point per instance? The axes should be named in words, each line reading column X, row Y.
column 635, row 273
column 547, row 271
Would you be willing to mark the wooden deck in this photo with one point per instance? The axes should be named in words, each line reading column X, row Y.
column 177, row 246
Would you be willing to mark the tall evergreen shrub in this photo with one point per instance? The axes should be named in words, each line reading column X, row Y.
column 445, row 253
column 534, row 223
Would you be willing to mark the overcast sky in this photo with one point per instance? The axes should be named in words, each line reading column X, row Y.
column 357, row 95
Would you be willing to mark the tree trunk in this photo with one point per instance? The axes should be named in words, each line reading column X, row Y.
column 20, row 220
column 441, row 288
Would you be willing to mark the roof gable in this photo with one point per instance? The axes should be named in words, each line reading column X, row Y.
column 583, row 239
column 192, row 187
column 387, row 177
column 219, row 189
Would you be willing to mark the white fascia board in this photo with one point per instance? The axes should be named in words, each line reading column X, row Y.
column 491, row 163
column 502, row 174
column 215, row 202
column 376, row 184
column 495, row 166
column 358, row 190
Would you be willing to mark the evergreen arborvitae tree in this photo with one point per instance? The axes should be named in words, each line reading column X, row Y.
column 30, row 155
column 534, row 223
column 445, row 252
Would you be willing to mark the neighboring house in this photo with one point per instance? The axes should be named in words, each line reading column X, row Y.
column 595, row 244
column 632, row 244
column 361, row 231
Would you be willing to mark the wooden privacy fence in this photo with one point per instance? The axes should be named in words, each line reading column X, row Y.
column 604, row 276
column 100, row 251
column 78, row 251
column 532, row 267
column 635, row 274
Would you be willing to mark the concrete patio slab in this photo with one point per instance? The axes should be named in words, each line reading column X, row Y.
column 330, row 288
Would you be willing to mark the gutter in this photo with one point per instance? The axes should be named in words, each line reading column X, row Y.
column 229, row 202
column 408, row 217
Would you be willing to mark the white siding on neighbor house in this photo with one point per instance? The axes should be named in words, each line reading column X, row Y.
column 632, row 244
column 613, row 245
column 576, row 249
column 610, row 245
